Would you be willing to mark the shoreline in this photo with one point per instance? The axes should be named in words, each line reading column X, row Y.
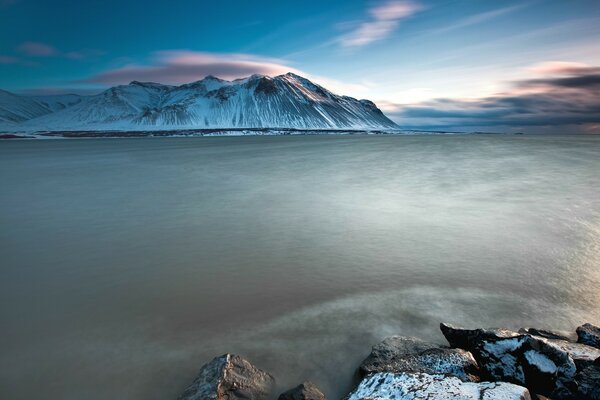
column 220, row 132
column 482, row 364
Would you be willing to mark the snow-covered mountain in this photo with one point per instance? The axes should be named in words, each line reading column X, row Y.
column 284, row 101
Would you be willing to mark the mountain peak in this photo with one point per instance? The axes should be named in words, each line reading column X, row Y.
column 146, row 84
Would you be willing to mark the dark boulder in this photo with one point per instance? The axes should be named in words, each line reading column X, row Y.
column 406, row 354
column 588, row 382
column 544, row 333
column 589, row 334
column 304, row 391
column 229, row 377
column 468, row 338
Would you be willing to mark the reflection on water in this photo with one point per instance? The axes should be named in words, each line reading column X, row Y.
column 126, row 264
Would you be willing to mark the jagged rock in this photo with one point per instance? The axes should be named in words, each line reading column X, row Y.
column 304, row 391
column 409, row 386
column 229, row 377
column 588, row 382
column 406, row 354
column 548, row 334
column 468, row 338
column 546, row 366
column 589, row 334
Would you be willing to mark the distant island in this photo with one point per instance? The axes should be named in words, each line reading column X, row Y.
column 257, row 102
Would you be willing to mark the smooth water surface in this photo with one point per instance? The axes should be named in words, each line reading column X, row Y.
column 128, row 263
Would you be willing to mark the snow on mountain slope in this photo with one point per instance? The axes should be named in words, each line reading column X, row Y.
column 284, row 101
column 56, row 102
column 15, row 108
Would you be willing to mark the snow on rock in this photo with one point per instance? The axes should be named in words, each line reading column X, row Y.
column 589, row 334
column 284, row 101
column 229, row 377
column 406, row 354
column 409, row 386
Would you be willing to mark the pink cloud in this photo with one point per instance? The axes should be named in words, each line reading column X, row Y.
column 177, row 67
column 37, row 49
column 384, row 19
column 559, row 68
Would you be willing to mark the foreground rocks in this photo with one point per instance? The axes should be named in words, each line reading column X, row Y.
column 230, row 377
column 406, row 354
column 545, row 364
column 304, row 391
column 482, row 364
column 409, row 386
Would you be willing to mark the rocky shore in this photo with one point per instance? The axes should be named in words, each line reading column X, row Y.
column 485, row 364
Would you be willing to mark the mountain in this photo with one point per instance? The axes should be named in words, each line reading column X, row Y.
column 284, row 101
column 15, row 109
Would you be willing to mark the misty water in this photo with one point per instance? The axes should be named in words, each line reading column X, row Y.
column 126, row 264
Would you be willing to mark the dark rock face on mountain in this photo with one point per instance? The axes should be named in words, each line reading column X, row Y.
column 304, row 391
column 405, row 354
column 547, row 366
column 284, row 101
column 589, row 334
column 230, row 377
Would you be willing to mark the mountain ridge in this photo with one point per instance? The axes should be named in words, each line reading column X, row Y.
column 257, row 101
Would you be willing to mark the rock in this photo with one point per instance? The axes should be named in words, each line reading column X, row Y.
column 588, row 382
column 468, row 338
column 545, row 366
column 406, row 354
column 548, row 334
column 304, row 391
column 229, row 377
column 589, row 334
column 408, row 386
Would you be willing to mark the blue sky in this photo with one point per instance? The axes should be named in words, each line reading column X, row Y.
column 407, row 56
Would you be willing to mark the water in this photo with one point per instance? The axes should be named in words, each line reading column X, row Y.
column 128, row 263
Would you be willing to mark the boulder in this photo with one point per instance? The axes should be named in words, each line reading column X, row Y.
column 406, row 354
column 409, row 386
column 546, row 366
column 589, row 334
column 304, row 391
column 468, row 339
column 549, row 334
column 588, row 382
column 229, row 377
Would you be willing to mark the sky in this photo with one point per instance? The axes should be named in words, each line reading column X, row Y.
column 493, row 66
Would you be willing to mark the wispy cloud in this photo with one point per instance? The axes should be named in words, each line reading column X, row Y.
column 566, row 96
column 480, row 18
column 179, row 66
column 383, row 19
column 182, row 66
column 37, row 49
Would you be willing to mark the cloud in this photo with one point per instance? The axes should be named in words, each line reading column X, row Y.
column 383, row 20
column 9, row 60
column 177, row 67
column 567, row 98
column 37, row 49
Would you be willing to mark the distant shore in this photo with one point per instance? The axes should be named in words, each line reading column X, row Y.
column 74, row 134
